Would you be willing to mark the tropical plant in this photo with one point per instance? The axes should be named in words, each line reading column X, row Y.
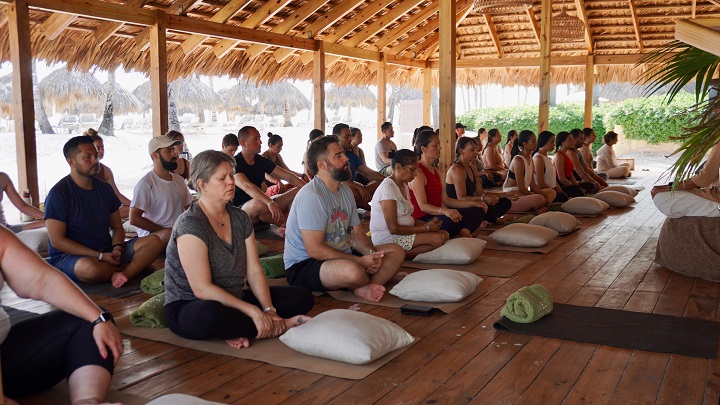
column 677, row 65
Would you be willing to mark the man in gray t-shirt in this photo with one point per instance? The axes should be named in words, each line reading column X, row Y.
column 325, row 246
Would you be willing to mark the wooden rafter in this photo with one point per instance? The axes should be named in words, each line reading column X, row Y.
column 406, row 26
column 636, row 24
column 702, row 34
column 582, row 15
column 494, row 35
column 289, row 23
column 320, row 24
column 382, row 22
column 419, row 34
column 260, row 16
column 222, row 16
column 464, row 8
column 534, row 23
column 105, row 31
column 55, row 24
column 358, row 19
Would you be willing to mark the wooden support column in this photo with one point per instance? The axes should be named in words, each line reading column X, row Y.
column 23, row 108
column 427, row 96
column 589, row 85
column 545, row 80
column 158, row 74
column 381, row 93
column 319, row 85
column 447, row 82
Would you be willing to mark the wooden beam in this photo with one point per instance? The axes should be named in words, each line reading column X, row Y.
column 158, row 74
column 433, row 40
column 582, row 14
column 23, row 108
column 448, row 20
column 381, row 93
column 700, row 34
column 357, row 20
column 636, row 24
column 533, row 23
column 382, row 22
column 494, row 35
column 257, row 18
column 545, row 80
column 319, row 86
column 105, row 31
column 289, row 23
column 694, row 8
column 101, row 10
column 142, row 39
column 406, row 26
column 222, row 16
column 405, row 61
column 411, row 39
column 55, row 24
column 427, row 96
column 357, row 53
column 589, row 85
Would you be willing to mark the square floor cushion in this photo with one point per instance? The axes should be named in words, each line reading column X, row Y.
column 622, row 189
column 347, row 336
column 436, row 285
column 562, row 222
column 454, row 251
column 35, row 239
column 615, row 198
column 584, row 206
column 524, row 235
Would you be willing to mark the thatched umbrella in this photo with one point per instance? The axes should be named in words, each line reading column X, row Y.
column 235, row 102
column 67, row 89
column 350, row 96
column 189, row 93
column 6, row 100
column 123, row 101
column 278, row 98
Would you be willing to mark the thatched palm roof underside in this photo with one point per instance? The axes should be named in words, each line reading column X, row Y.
column 407, row 28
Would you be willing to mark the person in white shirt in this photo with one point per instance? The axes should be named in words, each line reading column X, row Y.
column 161, row 195
column 607, row 162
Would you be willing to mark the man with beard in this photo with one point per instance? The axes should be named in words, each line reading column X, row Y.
column 161, row 195
column 361, row 193
column 79, row 211
column 250, row 174
column 325, row 245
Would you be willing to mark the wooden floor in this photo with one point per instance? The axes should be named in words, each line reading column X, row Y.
column 460, row 358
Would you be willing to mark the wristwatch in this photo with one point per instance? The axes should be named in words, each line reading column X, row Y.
column 105, row 316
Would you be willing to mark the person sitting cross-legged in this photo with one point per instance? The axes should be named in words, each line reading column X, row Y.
column 249, row 176
column 211, row 255
column 325, row 246
column 161, row 195
column 79, row 212
column 362, row 193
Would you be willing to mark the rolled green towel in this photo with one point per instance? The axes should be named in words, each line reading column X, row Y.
column 522, row 220
column 151, row 313
column 528, row 304
column 154, row 283
column 262, row 249
column 274, row 266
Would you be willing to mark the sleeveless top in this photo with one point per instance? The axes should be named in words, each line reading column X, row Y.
column 511, row 175
column 549, row 175
column 185, row 173
column 101, row 172
column 433, row 191
column 569, row 166
column 470, row 186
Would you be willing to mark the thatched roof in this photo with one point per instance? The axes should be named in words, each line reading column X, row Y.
column 124, row 102
column 72, row 89
column 270, row 98
column 353, row 96
column 398, row 28
column 188, row 92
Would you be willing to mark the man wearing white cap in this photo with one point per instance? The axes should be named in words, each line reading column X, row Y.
column 161, row 195
column 79, row 211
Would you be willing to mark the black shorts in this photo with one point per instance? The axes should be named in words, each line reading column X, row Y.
column 306, row 274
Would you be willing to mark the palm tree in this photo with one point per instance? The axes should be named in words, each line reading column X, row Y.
column 278, row 98
column 676, row 65
column 40, row 115
column 118, row 100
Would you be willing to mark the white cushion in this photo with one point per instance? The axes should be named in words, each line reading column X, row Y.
column 347, row 336
column 524, row 235
column 584, row 206
column 615, row 198
column 622, row 189
column 454, row 251
column 35, row 239
column 436, row 285
column 562, row 222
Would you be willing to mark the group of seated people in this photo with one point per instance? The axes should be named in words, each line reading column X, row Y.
column 215, row 286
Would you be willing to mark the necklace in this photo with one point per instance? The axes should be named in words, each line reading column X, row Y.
column 222, row 223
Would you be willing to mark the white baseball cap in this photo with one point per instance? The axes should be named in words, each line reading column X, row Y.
column 159, row 142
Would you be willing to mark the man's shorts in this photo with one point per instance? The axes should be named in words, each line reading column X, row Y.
column 66, row 262
column 307, row 274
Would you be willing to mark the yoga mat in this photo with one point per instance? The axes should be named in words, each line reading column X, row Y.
column 60, row 394
column 633, row 330
column 106, row 289
column 271, row 351
column 549, row 247
column 484, row 266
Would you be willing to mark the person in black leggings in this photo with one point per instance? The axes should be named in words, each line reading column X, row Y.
column 81, row 344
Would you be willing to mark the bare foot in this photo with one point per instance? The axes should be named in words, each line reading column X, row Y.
column 465, row 233
column 540, row 210
column 399, row 276
column 296, row 321
column 280, row 231
column 238, row 343
column 370, row 292
column 118, row 279
column 485, row 224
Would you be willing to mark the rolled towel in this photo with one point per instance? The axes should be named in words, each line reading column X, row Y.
column 154, row 283
column 528, row 304
column 151, row 313
column 273, row 266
